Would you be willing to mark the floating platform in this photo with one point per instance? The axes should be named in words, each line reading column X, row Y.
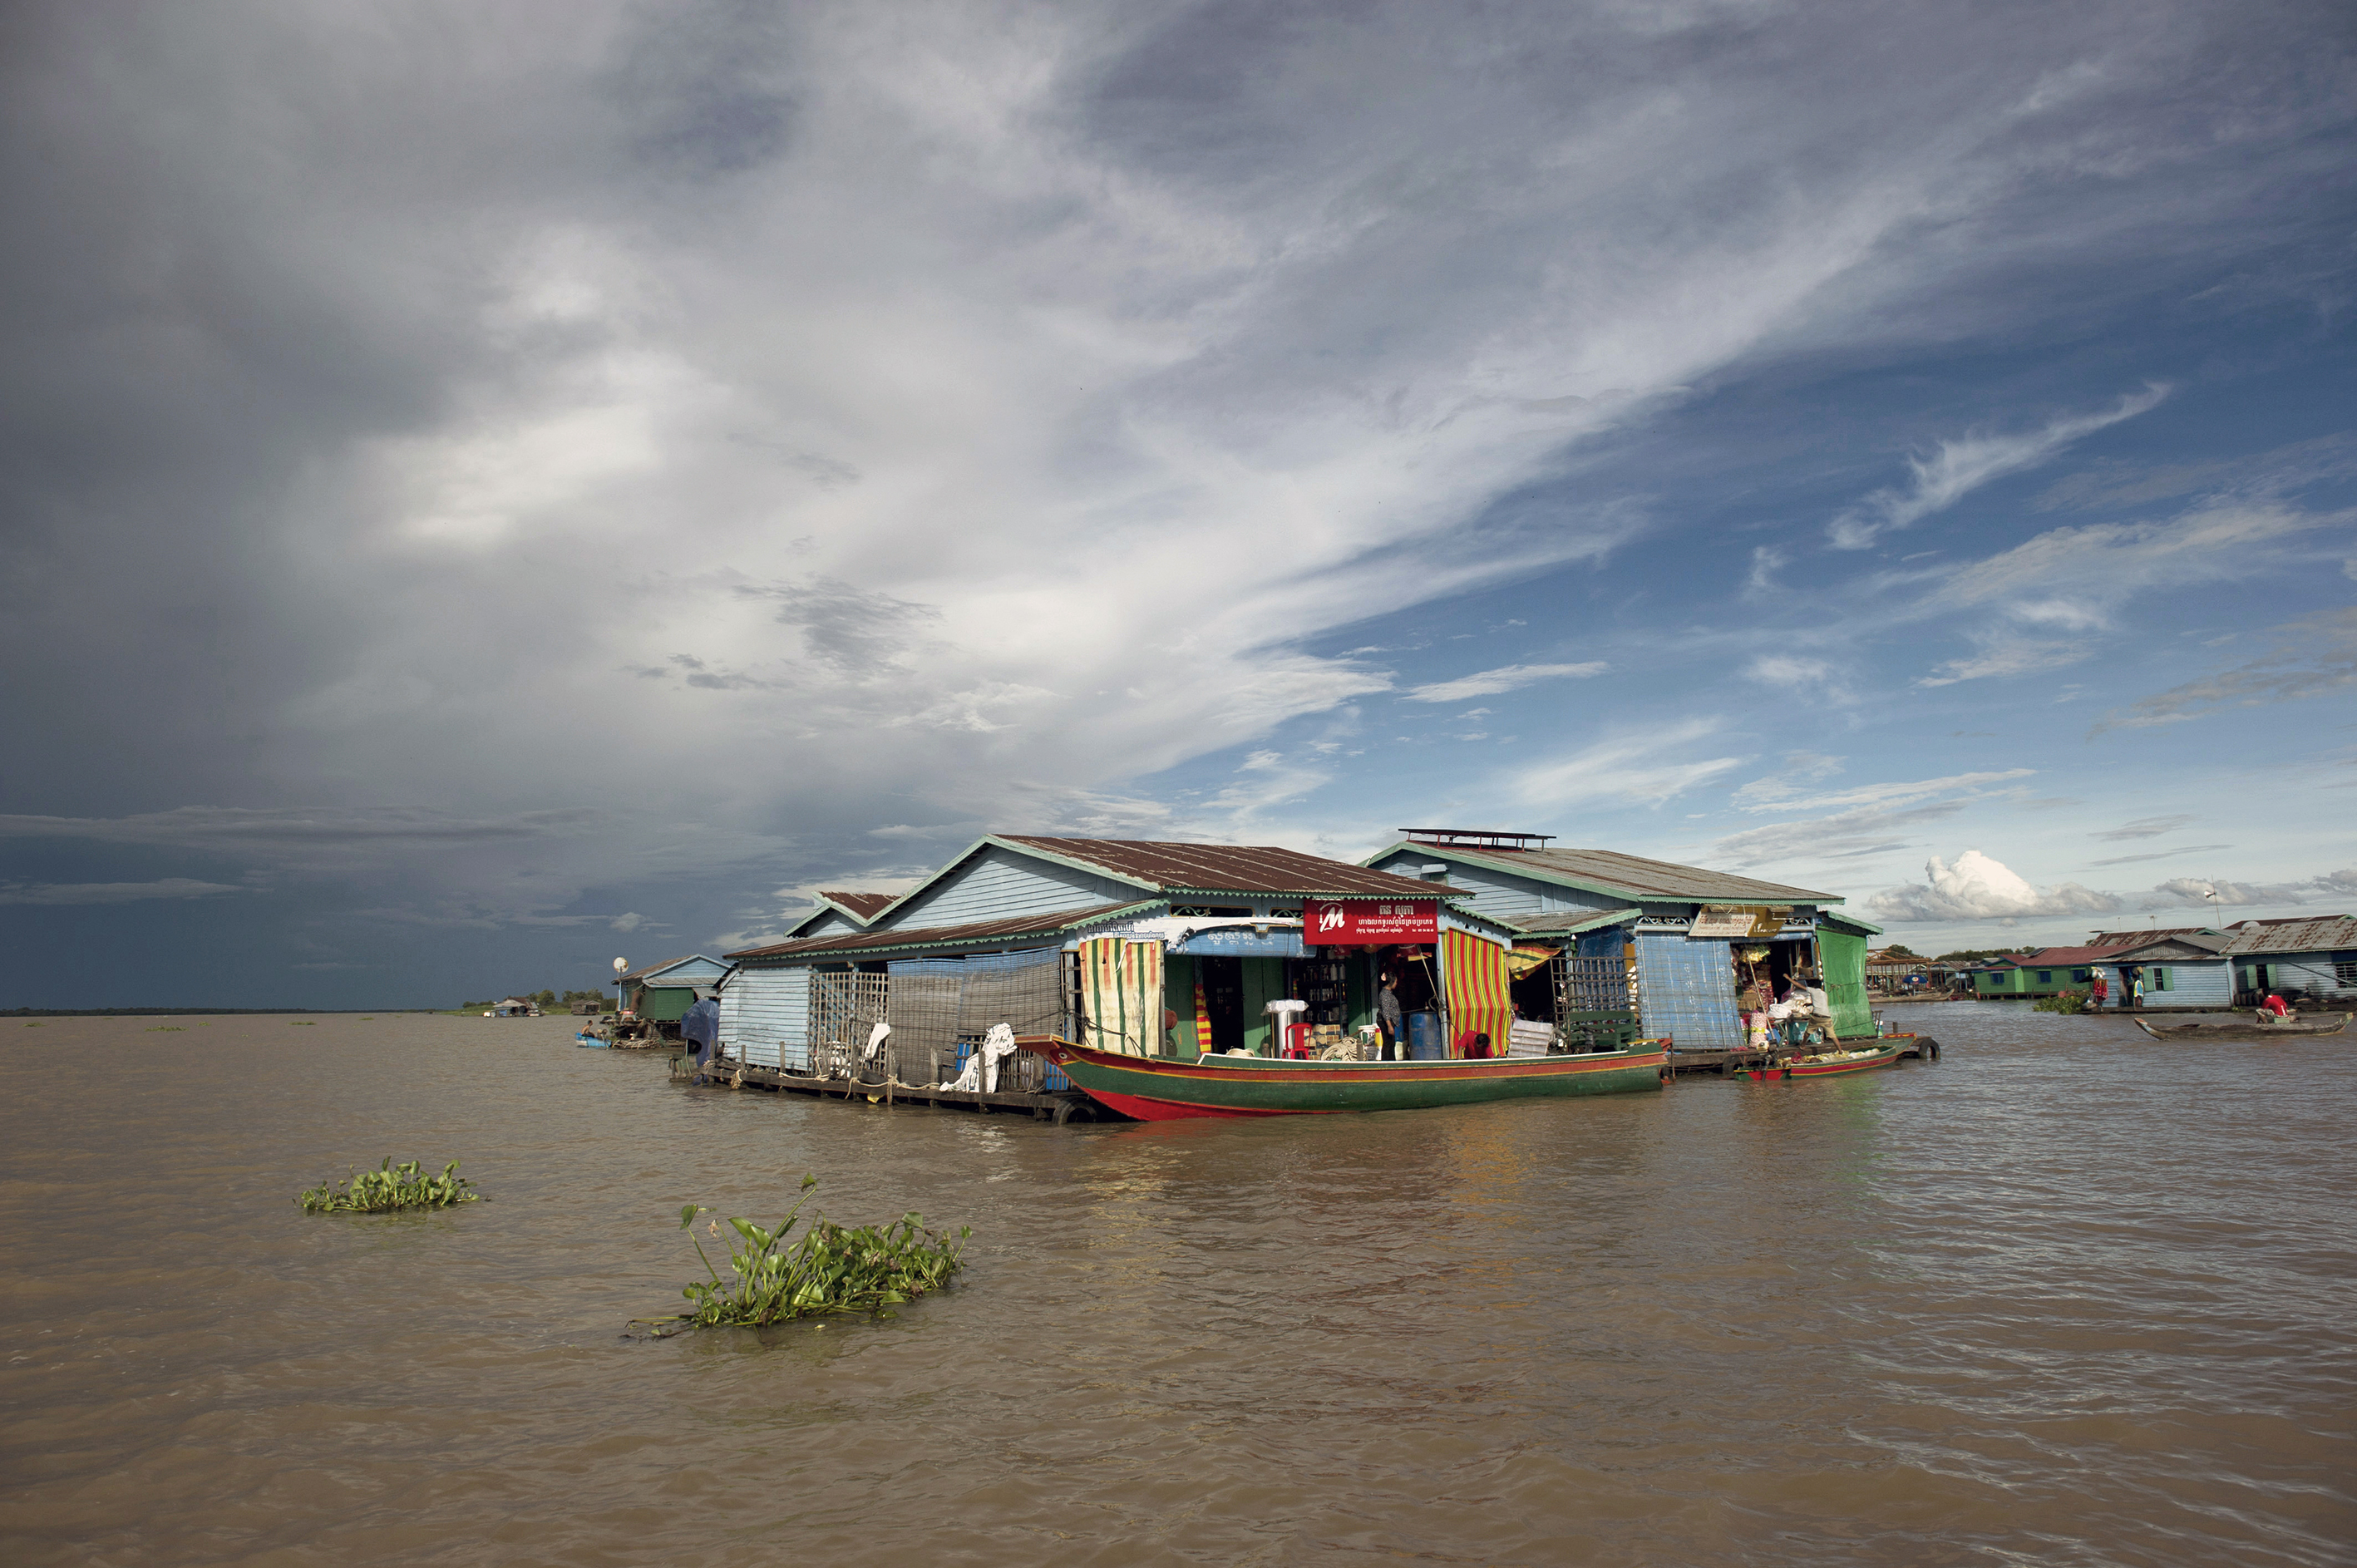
column 1921, row 1047
column 1068, row 1105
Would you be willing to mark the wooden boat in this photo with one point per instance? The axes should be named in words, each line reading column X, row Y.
column 1833, row 1064
column 2240, row 1026
column 1165, row 1089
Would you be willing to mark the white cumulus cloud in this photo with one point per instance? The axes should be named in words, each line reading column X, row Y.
column 1978, row 887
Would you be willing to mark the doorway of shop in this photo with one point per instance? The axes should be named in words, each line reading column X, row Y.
column 1222, row 981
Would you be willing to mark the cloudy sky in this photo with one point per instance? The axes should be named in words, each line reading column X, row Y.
column 493, row 487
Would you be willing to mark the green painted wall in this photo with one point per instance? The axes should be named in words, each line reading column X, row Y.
column 1264, row 980
column 666, row 1004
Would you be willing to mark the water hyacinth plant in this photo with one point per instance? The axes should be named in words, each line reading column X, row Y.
column 389, row 1188
column 832, row 1269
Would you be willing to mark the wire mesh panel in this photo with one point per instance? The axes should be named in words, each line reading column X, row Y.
column 845, row 1009
column 1594, row 985
column 1595, row 1002
column 925, row 1011
column 1025, row 991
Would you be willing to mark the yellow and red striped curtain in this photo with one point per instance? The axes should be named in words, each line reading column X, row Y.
column 1121, row 995
column 1473, row 976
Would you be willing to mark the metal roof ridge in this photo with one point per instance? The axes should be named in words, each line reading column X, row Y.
column 1529, row 863
column 1009, row 927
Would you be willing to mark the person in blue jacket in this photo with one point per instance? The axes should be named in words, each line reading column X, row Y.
column 700, row 1028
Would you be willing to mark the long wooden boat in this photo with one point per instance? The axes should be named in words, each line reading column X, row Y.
column 1833, row 1064
column 1165, row 1089
column 2241, row 1026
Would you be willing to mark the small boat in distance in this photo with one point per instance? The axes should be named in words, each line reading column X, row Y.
column 1165, row 1089
column 1831, row 1063
column 2245, row 1026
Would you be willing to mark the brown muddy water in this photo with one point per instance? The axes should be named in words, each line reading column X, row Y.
column 2068, row 1296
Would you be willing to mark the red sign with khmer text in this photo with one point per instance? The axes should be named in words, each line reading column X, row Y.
column 1358, row 924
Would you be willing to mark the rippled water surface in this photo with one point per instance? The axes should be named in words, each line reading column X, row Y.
column 2067, row 1297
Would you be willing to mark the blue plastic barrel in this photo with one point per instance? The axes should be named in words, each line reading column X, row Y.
column 1423, row 1041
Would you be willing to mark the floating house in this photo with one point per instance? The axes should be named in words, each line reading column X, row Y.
column 662, row 993
column 2181, row 970
column 1142, row 947
column 1901, row 974
column 1691, row 943
column 2312, row 958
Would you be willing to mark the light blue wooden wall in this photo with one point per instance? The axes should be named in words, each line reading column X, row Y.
column 998, row 884
column 827, row 923
column 2194, row 982
column 2297, row 971
column 1498, row 894
column 766, row 1013
column 697, row 970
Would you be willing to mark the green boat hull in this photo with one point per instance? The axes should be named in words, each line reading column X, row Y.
column 1159, row 1088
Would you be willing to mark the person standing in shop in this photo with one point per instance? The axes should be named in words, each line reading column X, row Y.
column 1387, row 1015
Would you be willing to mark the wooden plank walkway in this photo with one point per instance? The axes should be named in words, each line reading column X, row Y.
column 1919, row 1047
column 1070, row 1105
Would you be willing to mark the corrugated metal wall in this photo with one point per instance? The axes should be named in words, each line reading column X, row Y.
column 999, row 885
column 2297, row 971
column 766, row 1013
column 2194, row 985
column 1686, row 988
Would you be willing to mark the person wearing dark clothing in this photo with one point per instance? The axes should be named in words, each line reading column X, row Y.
column 1387, row 1014
column 700, row 1028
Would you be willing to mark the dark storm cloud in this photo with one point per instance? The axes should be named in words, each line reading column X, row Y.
column 474, row 462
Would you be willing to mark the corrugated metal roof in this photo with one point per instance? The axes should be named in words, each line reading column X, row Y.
column 1570, row 922
column 974, row 933
column 861, row 907
column 1226, row 868
column 2324, row 933
column 2121, row 939
column 2049, row 958
column 1628, row 875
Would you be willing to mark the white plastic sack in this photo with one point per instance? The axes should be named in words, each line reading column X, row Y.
column 980, row 1074
column 998, row 1044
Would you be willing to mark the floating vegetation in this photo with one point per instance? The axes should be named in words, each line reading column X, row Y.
column 832, row 1269
column 389, row 1187
column 169, row 1029
column 304, row 1023
column 2063, row 1002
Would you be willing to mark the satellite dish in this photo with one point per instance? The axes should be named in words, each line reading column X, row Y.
column 620, row 964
